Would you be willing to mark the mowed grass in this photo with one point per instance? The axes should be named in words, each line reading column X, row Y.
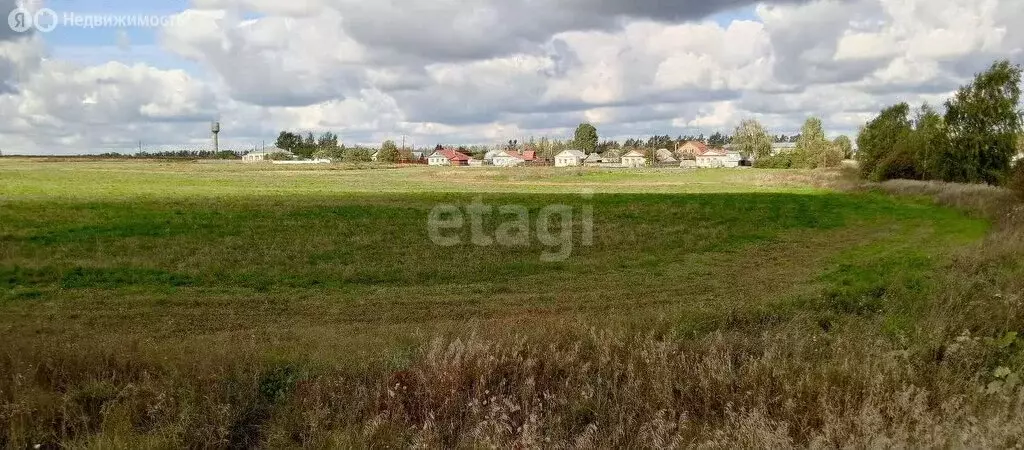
column 84, row 263
column 170, row 304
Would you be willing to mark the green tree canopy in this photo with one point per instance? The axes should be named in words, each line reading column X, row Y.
column 388, row 152
column 982, row 121
column 881, row 136
column 586, row 137
column 287, row 140
column 813, row 149
column 844, row 145
column 750, row 139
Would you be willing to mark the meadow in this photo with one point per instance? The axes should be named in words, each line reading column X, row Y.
column 169, row 304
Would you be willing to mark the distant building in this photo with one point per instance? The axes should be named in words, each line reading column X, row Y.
column 634, row 159
column 611, row 156
column 716, row 158
column 448, row 157
column 264, row 155
column 664, row 156
column 489, row 156
column 508, row 158
column 570, row 158
column 783, row 147
column 690, row 149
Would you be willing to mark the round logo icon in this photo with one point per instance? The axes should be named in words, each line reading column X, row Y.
column 20, row 20
column 45, row 20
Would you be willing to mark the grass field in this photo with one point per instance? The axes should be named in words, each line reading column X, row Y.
column 268, row 306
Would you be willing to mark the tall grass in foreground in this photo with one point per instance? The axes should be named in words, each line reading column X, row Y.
column 952, row 379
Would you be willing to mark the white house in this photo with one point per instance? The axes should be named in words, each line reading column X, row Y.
column 507, row 158
column 634, row 159
column 570, row 158
column 609, row 156
column 438, row 159
column 715, row 158
column 448, row 157
column 253, row 157
column 664, row 155
column 264, row 155
column 783, row 147
column 489, row 156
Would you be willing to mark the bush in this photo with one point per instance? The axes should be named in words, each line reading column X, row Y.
column 332, row 153
column 780, row 161
column 1016, row 180
column 898, row 164
column 354, row 155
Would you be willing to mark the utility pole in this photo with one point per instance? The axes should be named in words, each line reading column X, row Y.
column 403, row 142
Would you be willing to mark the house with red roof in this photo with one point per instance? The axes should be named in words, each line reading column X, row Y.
column 691, row 149
column 508, row 158
column 448, row 157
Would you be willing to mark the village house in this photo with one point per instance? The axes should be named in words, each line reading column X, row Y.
column 716, row 158
column 664, row 156
column 691, row 149
column 611, row 156
column 448, row 157
column 509, row 158
column 634, row 159
column 783, row 147
column 264, row 155
column 489, row 156
column 570, row 158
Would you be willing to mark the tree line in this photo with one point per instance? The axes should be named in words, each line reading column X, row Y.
column 176, row 154
column 974, row 141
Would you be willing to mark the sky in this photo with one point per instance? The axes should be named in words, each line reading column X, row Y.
column 476, row 71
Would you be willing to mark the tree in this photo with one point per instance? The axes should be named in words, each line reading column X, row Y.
column 278, row 156
column 388, row 152
column 334, row 154
column 586, row 138
column 813, row 150
column 327, row 140
column 844, row 145
column 929, row 145
column 881, row 136
column 357, row 154
column 1016, row 179
column 287, row 140
column 751, row 140
column 983, row 121
column 718, row 140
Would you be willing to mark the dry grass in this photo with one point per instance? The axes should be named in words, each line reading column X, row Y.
column 949, row 376
column 987, row 201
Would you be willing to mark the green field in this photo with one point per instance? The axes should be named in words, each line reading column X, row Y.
column 183, row 265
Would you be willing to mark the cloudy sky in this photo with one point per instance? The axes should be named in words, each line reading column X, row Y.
column 478, row 71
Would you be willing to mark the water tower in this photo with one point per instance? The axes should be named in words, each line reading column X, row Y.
column 215, row 129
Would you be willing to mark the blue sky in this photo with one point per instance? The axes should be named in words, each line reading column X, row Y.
column 129, row 45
